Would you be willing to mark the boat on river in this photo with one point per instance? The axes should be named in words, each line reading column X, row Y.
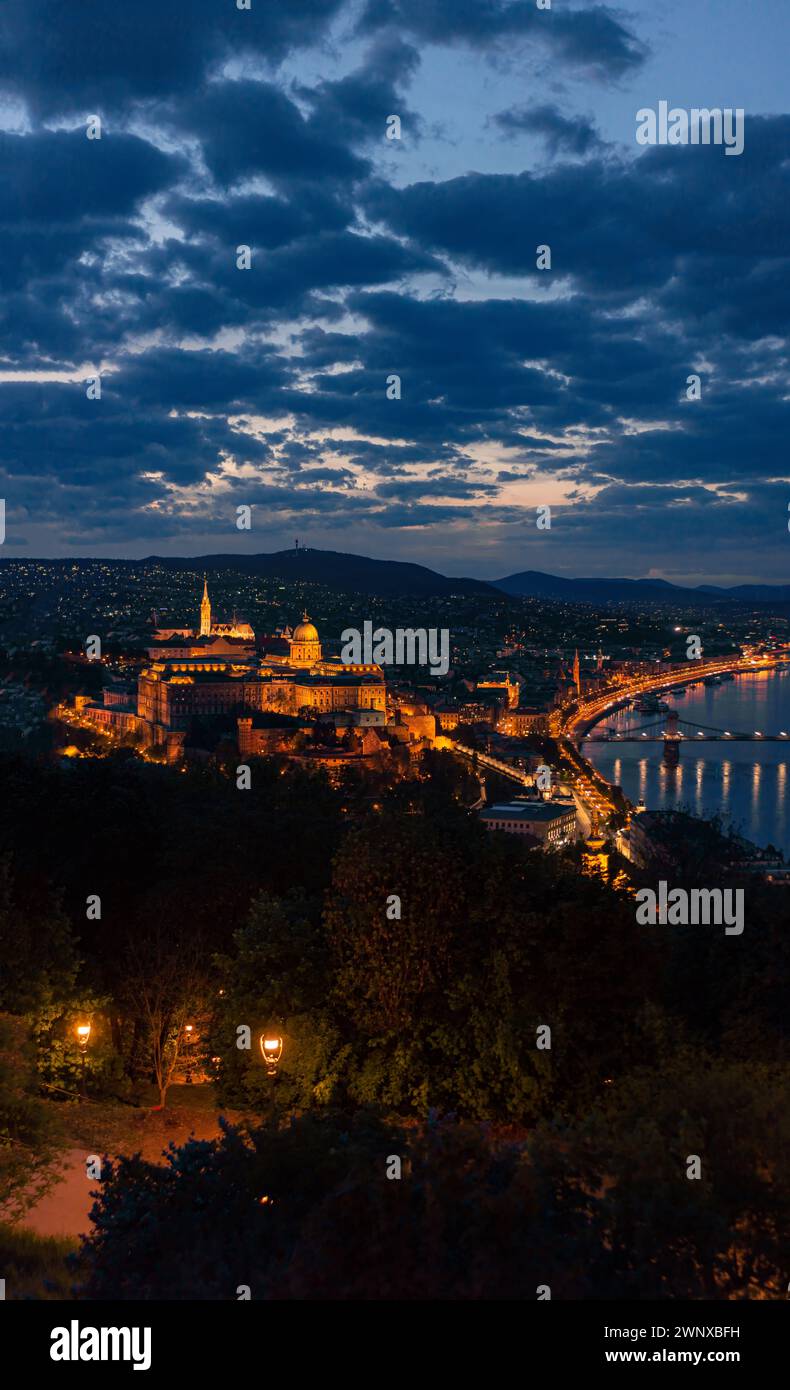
column 650, row 704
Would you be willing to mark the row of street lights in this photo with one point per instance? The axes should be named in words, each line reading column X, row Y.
column 271, row 1045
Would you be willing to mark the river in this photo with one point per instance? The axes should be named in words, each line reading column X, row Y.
column 746, row 782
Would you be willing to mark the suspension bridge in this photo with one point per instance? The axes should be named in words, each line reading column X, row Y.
column 671, row 728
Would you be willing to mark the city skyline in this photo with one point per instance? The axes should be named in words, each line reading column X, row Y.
column 411, row 257
column 394, row 671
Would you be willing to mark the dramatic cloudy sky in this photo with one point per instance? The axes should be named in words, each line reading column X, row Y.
column 417, row 257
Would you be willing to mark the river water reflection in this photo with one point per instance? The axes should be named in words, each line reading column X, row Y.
column 747, row 782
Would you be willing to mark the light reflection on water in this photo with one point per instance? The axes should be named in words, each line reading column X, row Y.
column 746, row 781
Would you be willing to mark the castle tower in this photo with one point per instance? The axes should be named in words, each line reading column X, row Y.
column 205, row 611
column 576, row 675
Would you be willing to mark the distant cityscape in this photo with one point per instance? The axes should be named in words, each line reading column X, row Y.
column 182, row 667
column 394, row 675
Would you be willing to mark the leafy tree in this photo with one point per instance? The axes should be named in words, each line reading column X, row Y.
column 275, row 976
column 387, row 967
column 353, row 1207
column 61, row 1067
column 167, row 986
column 220, row 1213
column 729, row 991
column 442, row 1004
column 653, row 1231
column 39, row 982
column 39, row 960
column 29, row 1133
column 689, row 850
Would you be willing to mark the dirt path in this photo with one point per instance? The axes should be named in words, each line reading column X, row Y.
column 64, row 1211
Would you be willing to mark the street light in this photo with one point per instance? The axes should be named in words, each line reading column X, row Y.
column 189, row 1029
column 83, row 1031
column 271, row 1051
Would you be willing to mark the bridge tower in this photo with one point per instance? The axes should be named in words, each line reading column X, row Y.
column 672, row 740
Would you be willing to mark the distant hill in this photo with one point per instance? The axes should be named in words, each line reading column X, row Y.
column 355, row 573
column 750, row 593
column 393, row 578
column 534, row 584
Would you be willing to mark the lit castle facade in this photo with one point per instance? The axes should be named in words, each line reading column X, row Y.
column 208, row 639
column 219, row 669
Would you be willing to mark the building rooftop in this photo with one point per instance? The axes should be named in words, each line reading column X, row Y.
column 217, row 639
column 528, row 810
column 337, row 678
column 196, row 675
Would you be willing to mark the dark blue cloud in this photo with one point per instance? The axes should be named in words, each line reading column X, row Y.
column 63, row 177
column 253, row 128
column 356, row 107
column 270, row 221
column 63, row 57
column 562, row 134
column 594, row 40
column 666, row 261
column 412, row 489
column 282, row 282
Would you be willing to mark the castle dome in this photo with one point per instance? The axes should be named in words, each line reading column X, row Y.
column 305, row 631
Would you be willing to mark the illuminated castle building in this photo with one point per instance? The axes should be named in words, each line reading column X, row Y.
column 500, row 686
column 205, row 610
column 208, row 639
column 217, row 670
column 304, row 644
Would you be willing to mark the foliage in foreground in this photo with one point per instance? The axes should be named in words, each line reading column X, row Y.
column 443, row 1006
column 598, row 1208
column 35, row 1267
column 29, row 1135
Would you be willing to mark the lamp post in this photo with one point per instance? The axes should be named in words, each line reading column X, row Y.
column 271, row 1051
column 189, row 1029
column 83, row 1031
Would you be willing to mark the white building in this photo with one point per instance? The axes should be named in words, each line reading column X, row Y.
column 551, row 822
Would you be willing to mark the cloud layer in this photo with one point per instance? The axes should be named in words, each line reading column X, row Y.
column 274, row 385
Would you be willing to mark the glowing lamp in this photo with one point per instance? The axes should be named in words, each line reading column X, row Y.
column 271, row 1050
column 83, row 1033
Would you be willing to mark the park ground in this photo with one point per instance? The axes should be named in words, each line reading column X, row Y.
column 34, row 1250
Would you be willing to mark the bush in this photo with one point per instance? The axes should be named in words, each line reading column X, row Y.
column 598, row 1208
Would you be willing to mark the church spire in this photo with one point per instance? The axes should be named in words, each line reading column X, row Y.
column 576, row 673
column 205, row 611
